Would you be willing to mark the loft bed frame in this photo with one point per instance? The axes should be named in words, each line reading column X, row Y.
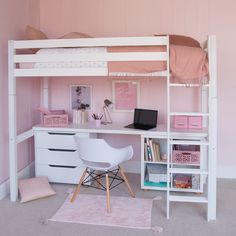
column 14, row 72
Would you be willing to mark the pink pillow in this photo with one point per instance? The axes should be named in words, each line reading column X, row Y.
column 34, row 188
column 75, row 35
column 34, row 34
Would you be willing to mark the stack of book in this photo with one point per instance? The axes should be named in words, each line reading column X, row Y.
column 152, row 150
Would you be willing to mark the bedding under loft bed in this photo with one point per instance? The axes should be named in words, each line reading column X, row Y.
column 16, row 70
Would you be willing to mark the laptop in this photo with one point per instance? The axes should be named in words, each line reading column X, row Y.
column 144, row 119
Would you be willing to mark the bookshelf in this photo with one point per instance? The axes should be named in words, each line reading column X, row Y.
column 154, row 162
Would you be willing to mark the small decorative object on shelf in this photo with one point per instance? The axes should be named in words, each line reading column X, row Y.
column 53, row 118
column 164, row 157
column 97, row 118
column 80, row 115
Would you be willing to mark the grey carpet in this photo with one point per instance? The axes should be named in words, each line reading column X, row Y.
column 28, row 219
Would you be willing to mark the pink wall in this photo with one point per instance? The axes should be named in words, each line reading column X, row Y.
column 139, row 18
column 14, row 15
column 118, row 18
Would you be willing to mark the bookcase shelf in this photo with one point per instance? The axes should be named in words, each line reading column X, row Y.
column 154, row 184
column 153, row 169
column 156, row 162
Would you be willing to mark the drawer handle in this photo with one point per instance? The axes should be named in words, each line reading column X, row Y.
column 186, row 153
column 71, row 167
column 55, row 133
column 61, row 150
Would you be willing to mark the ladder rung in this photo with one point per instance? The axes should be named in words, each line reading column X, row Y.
column 175, row 198
column 187, row 171
column 189, row 114
column 187, row 142
column 188, row 85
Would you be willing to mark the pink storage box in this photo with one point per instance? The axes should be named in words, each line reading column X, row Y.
column 195, row 122
column 186, row 154
column 58, row 118
column 180, row 122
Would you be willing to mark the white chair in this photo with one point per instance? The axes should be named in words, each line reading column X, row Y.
column 102, row 161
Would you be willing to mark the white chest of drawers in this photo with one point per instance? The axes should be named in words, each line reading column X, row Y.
column 56, row 155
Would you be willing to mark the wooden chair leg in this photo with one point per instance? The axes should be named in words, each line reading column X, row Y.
column 79, row 185
column 108, row 194
column 126, row 181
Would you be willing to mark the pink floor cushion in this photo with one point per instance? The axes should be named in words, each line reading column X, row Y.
column 35, row 188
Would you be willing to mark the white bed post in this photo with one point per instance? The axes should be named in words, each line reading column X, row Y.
column 168, row 129
column 45, row 92
column 13, row 167
column 211, row 211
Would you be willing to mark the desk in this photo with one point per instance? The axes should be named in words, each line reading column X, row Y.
column 56, row 152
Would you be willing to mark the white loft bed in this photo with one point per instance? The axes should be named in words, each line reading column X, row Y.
column 16, row 72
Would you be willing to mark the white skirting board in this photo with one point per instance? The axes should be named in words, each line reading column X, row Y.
column 27, row 172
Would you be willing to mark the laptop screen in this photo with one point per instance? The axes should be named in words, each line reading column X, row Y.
column 145, row 117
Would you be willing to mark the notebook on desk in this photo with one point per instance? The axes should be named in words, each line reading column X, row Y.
column 144, row 119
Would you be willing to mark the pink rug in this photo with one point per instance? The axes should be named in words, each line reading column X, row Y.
column 91, row 209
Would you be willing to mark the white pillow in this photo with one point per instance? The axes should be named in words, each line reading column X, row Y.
column 34, row 188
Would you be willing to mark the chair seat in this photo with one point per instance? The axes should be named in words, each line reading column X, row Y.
column 97, row 154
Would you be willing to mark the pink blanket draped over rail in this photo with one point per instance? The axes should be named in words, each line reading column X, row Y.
column 186, row 63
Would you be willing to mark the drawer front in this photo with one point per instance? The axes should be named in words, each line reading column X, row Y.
column 195, row 122
column 57, row 140
column 60, row 174
column 57, row 157
column 180, row 122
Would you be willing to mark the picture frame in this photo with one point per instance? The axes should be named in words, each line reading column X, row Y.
column 125, row 95
column 81, row 97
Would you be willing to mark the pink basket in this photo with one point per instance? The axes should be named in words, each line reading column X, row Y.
column 58, row 118
column 188, row 154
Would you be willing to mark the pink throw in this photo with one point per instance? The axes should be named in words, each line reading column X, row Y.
column 188, row 63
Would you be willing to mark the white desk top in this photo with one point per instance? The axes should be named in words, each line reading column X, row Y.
column 118, row 128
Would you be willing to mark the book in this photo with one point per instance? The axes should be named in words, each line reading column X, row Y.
column 149, row 150
column 152, row 150
column 157, row 148
column 149, row 153
column 145, row 151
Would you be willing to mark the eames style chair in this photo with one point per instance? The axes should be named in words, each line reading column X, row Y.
column 102, row 161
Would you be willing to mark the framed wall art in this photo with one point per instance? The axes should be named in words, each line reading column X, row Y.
column 81, row 97
column 125, row 95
